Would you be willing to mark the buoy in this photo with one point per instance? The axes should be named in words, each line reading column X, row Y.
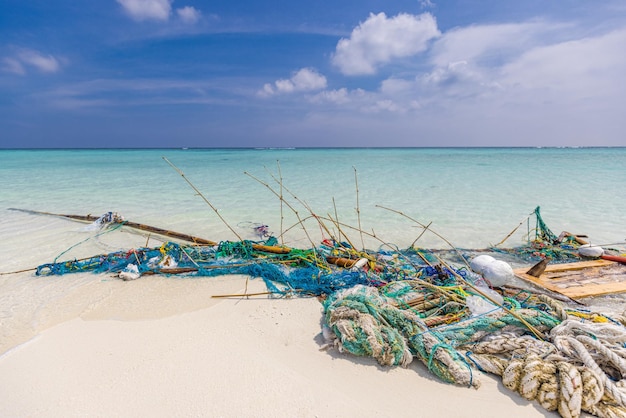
column 498, row 273
column 589, row 250
column 479, row 263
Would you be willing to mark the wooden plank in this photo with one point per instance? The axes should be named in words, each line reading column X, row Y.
column 590, row 290
column 580, row 279
column 579, row 265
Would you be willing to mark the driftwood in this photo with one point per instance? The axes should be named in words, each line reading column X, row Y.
column 339, row 261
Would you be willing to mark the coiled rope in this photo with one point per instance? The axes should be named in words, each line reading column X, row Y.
column 582, row 368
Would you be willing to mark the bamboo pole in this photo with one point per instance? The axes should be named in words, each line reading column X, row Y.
column 280, row 176
column 337, row 217
column 425, row 227
column 514, row 229
column 164, row 232
column 243, row 295
column 134, row 225
column 300, row 221
column 203, row 197
column 358, row 208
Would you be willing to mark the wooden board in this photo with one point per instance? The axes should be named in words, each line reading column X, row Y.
column 581, row 279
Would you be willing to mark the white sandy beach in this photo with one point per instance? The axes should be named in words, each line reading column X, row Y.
column 235, row 357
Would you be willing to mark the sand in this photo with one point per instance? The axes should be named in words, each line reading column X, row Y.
column 234, row 357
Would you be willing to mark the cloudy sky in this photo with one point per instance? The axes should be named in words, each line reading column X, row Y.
column 277, row 73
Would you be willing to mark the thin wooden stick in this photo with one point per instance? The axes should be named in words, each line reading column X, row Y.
column 337, row 217
column 420, row 235
column 18, row 271
column 337, row 225
column 244, row 295
column 300, row 221
column 280, row 176
column 358, row 209
column 161, row 231
column 514, row 229
column 492, row 300
column 296, row 224
column 307, row 207
column 203, row 198
column 424, row 226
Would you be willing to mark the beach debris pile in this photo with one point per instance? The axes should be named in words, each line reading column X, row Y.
column 567, row 360
column 456, row 311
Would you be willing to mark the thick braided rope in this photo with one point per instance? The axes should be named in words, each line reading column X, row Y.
column 475, row 328
column 605, row 351
column 616, row 393
column 556, row 385
column 489, row 363
column 604, row 410
column 608, row 332
column 593, row 388
column 570, row 389
column 533, row 378
column 505, row 344
column 441, row 358
column 555, row 305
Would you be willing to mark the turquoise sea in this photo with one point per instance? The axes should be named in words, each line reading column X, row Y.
column 471, row 196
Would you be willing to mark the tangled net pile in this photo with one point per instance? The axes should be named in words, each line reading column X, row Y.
column 545, row 244
column 404, row 304
column 568, row 361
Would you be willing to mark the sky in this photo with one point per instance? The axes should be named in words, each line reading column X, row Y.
column 276, row 73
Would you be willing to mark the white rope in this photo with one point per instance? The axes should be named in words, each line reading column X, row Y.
column 602, row 349
column 506, row 344
column 571, row 389
column 593, row 389
column 609, row 387
column 608, row 332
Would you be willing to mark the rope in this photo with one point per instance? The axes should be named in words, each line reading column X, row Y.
column 365, row 322
column 617, row 394
column 582, row 369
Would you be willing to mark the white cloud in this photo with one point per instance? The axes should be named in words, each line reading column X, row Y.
column 334, row 96
column 547, row 89
column 576, row 69
column 26, row 58
column 305, row 79
column 141, row 10
column 379, row 40
column 492, row 44
column 12, row 65
column 46, row 64
column 396, row 85
column 189, row 14
column 388, row 105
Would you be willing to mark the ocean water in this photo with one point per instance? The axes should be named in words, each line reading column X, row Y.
column 473, row 197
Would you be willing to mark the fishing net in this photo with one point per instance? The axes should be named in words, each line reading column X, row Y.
column 545, row 245
column 399, row 305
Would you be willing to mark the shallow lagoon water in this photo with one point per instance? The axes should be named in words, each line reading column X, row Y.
column 472, row 197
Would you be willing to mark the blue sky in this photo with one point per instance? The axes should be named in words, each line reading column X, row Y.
column 275, row 73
